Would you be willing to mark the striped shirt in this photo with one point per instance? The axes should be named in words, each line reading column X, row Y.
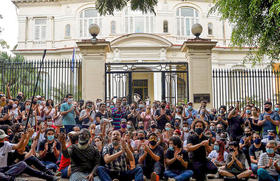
column 117, row 116
column 117, row 165
column 264, row 160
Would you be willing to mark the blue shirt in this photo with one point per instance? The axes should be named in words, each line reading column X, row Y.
column 69, row 118
column 194, row 114
column 267, row 125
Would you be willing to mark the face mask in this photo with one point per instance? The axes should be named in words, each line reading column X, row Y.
column 185, row 128
column 171, row 148
column 89, row 106
column 257, row 141
column 267, row 109
column 270, row 138
column 49, row 123
column 28, row 107
column 276, row 109
column 153, row 143
column 39, row 102
column 19, row 97
column 222, row 112
column 10, row 106
column 141, row 138
column 269, row 150
column 177, row 110
column 34, row 102
column 70, row 101
column 248, row 112
column 14, row 106
column 198, row 131
column 51, row 137
column 141, row 127
column 124, row 103
column 177, row 124
column 123, row 125
column 132, row 107
column 153, row 126
column 212, row 128
column 167, row 129
column 162, row 106
column 219, row 130
column 231, row 150
column 189, row 108
column 216, row 147
column 141, row 106
column 247, row 134
column 129, row 126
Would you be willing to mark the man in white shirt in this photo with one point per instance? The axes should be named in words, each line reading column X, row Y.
column 8, row 173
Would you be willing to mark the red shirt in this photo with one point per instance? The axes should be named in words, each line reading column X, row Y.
column 64, row 162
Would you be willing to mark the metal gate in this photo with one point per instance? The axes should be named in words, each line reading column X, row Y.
column 172, row 76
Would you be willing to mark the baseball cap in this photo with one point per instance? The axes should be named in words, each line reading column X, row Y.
column 3, row 134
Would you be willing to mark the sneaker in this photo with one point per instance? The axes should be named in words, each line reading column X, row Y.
column 49, row 172
column 171, row 179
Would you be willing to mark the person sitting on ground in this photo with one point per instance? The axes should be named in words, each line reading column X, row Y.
column 177, row 160
column 116, row 156
column 255, row 150
column 85, row 158
column 269, row 163
column 235, row 164
column 219, row 155
column 152, row 158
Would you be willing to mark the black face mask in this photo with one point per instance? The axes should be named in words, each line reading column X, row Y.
column 198, row 131
column 153, row 126
column 231, row 150
column 153, row 143
column 141, row 127
column 177, row 124
column 219, row 130
column 10, row 107
column 162, row 106
column 34, row 102
column 247, row 134
column 141, row 138
column 19, row 97
column 267, row 109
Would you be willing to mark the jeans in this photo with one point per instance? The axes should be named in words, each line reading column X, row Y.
column 64, row 172
column 254, row 168
column 201, row 168
column 157, row 167
column 264, row 176
column 50, row 165
column 68, row 128
column 10, row 172
column 179, row 176
column 81, row 176
column 105, row 174
column 246, row 152
column 36, row 163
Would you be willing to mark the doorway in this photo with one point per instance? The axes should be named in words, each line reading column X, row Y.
column 140, row 87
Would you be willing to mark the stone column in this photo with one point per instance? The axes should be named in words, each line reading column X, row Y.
column 93, row 68
column 198, row 53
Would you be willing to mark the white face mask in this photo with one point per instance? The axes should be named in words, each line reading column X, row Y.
column 14, row 106
column 70, row 100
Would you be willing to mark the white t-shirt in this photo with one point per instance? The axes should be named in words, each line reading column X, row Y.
column 4, row 150
column 51, row 113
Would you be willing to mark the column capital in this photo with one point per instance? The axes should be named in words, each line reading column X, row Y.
column 87, row 47
column 198, row 44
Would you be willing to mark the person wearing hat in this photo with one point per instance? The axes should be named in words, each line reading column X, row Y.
column 85, row 158
column 269, row 120
column 9, row 172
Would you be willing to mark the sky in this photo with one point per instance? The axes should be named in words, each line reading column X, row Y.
column 9, row 22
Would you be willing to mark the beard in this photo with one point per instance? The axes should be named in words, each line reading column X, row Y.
column 83, row 147
column 115, row 142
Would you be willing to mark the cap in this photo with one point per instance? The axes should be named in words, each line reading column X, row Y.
column 3, row 134
column 190, row 103
column 178, row 131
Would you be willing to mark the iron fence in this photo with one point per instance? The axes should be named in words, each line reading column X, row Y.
column 245, row 85
column 58, row 77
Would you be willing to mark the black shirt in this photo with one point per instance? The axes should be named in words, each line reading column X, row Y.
column 101, row 116
column 50, row 154
column 235, row 127
column 256, row 152
column 200, row 153
column 176, row 166
column 149, row 161
column 163, row 120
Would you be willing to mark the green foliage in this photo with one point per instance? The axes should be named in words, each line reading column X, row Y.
column 256, row 24
column 59, row 93
column 107, row 7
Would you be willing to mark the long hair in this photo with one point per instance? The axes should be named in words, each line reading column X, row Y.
column 221, row 151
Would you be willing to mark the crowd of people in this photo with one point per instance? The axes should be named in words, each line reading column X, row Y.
column 114, row 140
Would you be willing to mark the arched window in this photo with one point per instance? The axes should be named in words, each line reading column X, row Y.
column 165, row 26
column 137, row 22
column 186, row 17
column 113, row 27
column 67, row 30
column 87, row 17
column 210, row 29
